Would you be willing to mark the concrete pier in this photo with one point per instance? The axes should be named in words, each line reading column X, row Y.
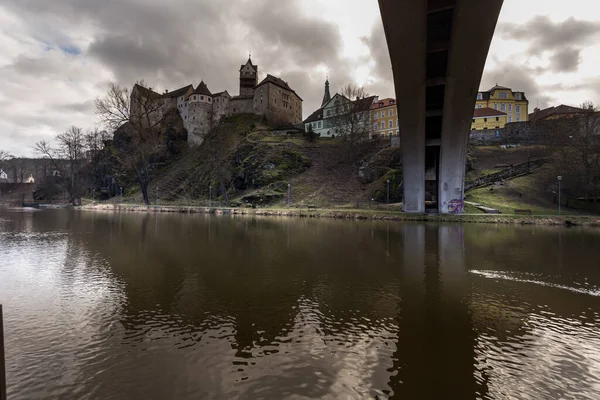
column 438, row 50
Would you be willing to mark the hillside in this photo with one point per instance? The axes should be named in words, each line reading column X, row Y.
column 246, row 162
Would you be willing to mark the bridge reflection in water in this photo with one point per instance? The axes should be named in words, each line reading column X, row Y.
column 180, row 306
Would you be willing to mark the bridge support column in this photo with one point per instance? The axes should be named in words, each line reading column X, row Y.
column 409, row 42
column 469, row 45
column 438, row 49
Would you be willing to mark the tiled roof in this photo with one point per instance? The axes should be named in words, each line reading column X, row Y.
column 559, row 110
column 316, row 116
column 364, row 104
column 486, row 94
column 487, row 112
column 499, row 87
column 144, row 91
column 252, row 65
column 240, row 97
column 384, row 103
column 224, row 92
column 277, row 81
column 178, row 92
column 202, row 89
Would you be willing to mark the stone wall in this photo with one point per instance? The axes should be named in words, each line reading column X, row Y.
column 527, row 133
column 198, row 122
column 487, row 137
column 280, row 106
column 240, row 105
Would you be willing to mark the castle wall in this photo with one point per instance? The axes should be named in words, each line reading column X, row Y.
column 199, row 121
column 240, row 105
column 220, row 105
column 279, row 105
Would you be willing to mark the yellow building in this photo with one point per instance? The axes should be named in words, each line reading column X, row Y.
column 488, row 118
column 384, row 118
column 514, row 104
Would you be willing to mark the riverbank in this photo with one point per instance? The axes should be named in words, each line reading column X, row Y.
column 389, row 215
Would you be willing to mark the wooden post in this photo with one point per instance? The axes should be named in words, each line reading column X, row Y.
column 2, row 359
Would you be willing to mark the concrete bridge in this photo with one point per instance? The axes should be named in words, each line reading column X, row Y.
column 438, row 50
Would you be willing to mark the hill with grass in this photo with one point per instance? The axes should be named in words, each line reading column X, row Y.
column 245, row 162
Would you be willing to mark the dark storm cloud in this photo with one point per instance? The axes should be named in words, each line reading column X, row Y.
column 565, row 60
column 519, row 78
column 548, row 35
column 379, row 52
column 192, row 40
column 564, row 40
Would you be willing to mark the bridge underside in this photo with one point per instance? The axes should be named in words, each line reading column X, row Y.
column 438, row 50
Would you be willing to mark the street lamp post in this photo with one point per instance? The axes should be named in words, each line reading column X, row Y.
column 289, row 194
column 210, row 196
column 559, row 180
column 388, row 192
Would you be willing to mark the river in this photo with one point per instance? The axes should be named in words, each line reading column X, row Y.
column 155, row 306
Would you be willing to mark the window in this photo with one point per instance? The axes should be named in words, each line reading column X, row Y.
column 328, row 112
column 382, row 125
column 510, row 108
column 497, row 118
column 194, row 97
column 518, row 109
column 518, row 96
column 479, row 106
column 503, row 95
column 390, row 133
column 479, row 96
column 510, row 118
column 518, row 119
column 201, row 97
column 495, row 106
column 209, row 99
column 375, row 126
column 390, row 124
column 314, row 124
column 473, row 120
column 391, row 113
column 503, row 107
column 396, row 122
column 485, row 120
column 397, row 133
column 383, row 114
column 375, row 115
column 319, row 124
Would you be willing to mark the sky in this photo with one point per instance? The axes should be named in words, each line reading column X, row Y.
column 57, row 56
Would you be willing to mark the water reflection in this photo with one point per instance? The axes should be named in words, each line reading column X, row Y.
column 120, row 306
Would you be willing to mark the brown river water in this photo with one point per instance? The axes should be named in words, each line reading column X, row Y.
column 144, row 306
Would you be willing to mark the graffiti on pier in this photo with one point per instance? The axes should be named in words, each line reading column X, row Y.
column 456, row 206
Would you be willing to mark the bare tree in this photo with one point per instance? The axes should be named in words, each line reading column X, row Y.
column 138, row 114
column 69, row 158
column 352, row 116
column 576, row 147
column 4, row 158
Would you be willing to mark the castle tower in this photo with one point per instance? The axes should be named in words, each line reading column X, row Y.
column 326, row 96
column 248, row 78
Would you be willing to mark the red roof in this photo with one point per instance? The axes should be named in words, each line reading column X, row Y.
column 383, row 103
column 487, row 112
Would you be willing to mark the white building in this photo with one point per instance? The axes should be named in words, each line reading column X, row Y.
column 326, row 122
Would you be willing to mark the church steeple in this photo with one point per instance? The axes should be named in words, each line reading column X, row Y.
column 326, row 96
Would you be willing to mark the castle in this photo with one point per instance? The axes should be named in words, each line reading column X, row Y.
column 201, row 110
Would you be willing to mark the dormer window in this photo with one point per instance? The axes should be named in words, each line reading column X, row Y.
column 201, row 97
column 479, row 96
